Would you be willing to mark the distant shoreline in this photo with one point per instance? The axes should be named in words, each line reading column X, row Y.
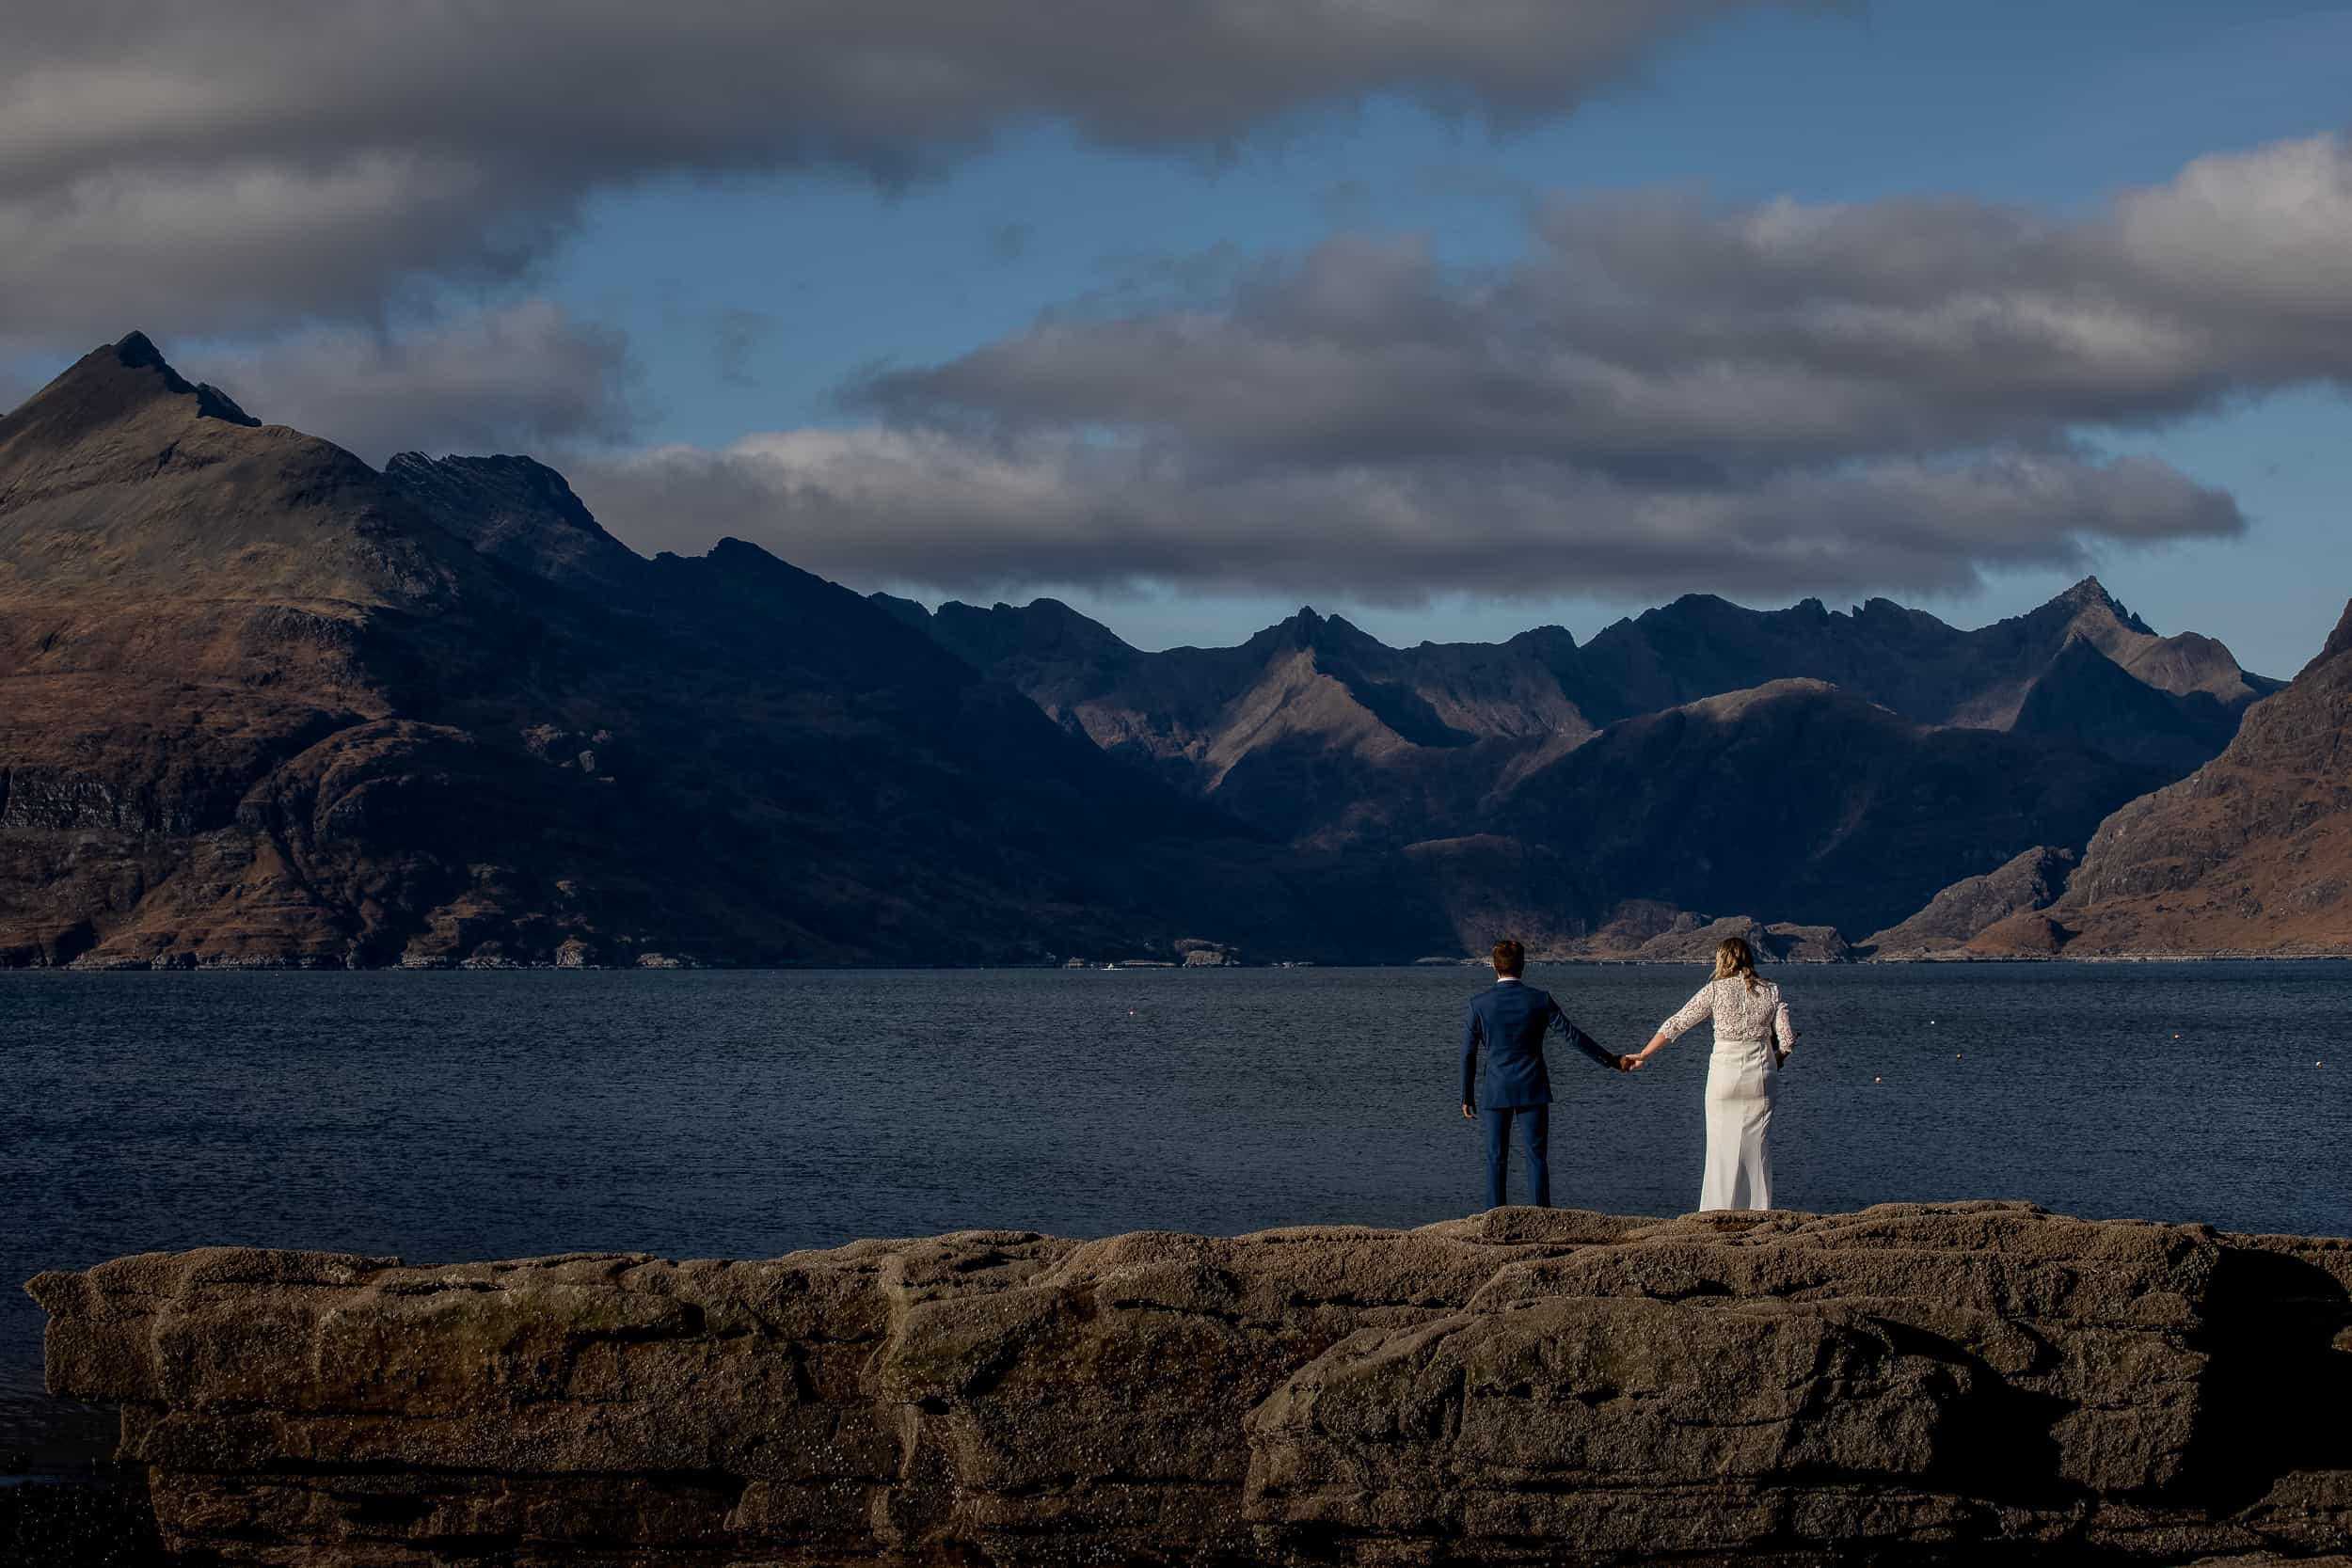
column 1972, row 960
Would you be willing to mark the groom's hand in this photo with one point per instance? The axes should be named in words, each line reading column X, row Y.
column 1626, row 1064
column 1469, row 1113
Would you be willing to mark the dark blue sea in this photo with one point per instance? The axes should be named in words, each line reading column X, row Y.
column 440, row 1116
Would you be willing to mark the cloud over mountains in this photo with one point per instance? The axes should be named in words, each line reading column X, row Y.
column 243, row 162
column 917, row 507
column 526, row 373
column 1660, row 332
column 1661, row 390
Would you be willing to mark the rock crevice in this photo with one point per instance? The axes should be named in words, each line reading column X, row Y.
column 1910, row 1383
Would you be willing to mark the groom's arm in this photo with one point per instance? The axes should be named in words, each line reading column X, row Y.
column 1559, row 1024
column 1471, row 1031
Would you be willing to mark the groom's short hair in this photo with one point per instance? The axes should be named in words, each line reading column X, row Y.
column 1510, row 958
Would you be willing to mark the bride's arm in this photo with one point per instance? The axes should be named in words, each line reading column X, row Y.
column 1784, row 1034
column 1673, row 1028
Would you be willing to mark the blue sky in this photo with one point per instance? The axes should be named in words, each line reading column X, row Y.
column 2025, row 103
column 717, row 299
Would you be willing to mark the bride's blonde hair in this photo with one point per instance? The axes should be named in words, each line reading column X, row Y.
column 1733, row 956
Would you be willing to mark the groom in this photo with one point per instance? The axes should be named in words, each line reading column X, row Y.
column 1510, row 1022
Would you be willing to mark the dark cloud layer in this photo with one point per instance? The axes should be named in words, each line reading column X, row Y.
column 229, row 166
column 1663, row 393
column 518, row 377
column 1666, row 334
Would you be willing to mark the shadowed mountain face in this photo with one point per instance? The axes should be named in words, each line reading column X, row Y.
column 1808, row 804
column 1903, row 659
column 1323, row 737
column 261, row 703
column 2251, row 853
column 521, row 512
column 265, row 704
column 2084, row 695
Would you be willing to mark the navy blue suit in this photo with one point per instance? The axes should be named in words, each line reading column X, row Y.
column 1507, row 1024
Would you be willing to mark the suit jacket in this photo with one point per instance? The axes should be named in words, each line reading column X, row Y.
column 1510, row 1021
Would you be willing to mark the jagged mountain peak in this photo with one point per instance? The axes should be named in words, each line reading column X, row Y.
column 1300, row 629
column 123, row 474
column 108, row 386
column 1550, row 637
column 137, row 351
column 1052, row 608
column 1044, row 627
column 1713, row 615
column 732, row 551
column 2339, row 640
column 1685, row 605
column 1307, row 629
column 2091, row 594
column 1882, row 611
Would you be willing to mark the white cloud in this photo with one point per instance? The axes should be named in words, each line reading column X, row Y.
column 929, row 508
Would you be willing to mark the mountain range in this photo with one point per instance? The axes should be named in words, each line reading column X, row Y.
column 1317, row 732
column 267, row 704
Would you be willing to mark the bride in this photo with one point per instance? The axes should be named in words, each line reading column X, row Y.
column 1753, row 1038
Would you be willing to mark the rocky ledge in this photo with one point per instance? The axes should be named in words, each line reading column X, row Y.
column 1958, row 1384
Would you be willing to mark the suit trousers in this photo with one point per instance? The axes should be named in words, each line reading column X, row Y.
column 1535, row 1124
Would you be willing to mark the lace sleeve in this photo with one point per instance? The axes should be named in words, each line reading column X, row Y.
column 1693, row 1010
column 1782, row 1031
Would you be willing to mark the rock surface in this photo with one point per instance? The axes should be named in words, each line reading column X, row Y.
column 1911, row 1384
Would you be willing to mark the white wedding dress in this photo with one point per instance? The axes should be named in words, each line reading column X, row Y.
column 1742, row 1081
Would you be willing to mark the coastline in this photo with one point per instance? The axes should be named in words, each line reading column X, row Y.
column 320, row 966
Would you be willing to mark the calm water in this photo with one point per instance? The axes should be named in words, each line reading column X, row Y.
column 454, row 1116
